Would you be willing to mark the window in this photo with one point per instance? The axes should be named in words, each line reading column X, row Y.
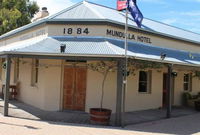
column 144, row 81
column 34, row 72
column 187, row 82
column 16, row 70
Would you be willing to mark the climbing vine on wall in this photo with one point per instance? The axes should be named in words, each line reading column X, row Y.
column 196, row 74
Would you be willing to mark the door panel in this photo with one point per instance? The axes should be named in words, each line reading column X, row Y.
column 80, row 90
column 74, row 88
column 68, row 87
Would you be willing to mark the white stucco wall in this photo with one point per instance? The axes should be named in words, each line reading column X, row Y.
column 178, row 88
column 195, row 85
column 29, row 94
column 52, row 85
column 93, row 92
column 46, row 93
column 134, row 99
column 142, row 101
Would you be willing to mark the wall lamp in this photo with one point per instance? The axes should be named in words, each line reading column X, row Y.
column 62, row 48
column 174, row 74
column 162, row 56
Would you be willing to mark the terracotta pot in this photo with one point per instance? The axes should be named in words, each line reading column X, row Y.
column 100, row 116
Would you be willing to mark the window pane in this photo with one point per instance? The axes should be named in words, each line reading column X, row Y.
column 142, row 87
column 186, row 77
column 186, row 82
column 142, row 81
column 143, row 76
column 186, row 86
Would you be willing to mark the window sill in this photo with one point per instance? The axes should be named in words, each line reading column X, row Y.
column 187, row 90
column 34, row 85
column 144, row 92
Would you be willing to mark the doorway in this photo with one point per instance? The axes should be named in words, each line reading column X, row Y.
column 74, row 88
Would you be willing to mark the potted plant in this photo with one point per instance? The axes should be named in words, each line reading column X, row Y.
column 101, row 116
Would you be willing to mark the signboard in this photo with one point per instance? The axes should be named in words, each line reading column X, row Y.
column 138, row 38
column 87, row 31
column 96, row 31
column 78, row 31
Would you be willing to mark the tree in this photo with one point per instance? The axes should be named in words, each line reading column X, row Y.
column 16, row 13
column 104, row 68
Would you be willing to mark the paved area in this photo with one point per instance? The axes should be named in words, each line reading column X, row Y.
column 185, row 125
column 15, row 126
column 20, row 110
column 155, row 114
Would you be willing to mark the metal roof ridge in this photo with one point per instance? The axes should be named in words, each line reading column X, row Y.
column 65, row 10
column 93, row 10
column 101, row 5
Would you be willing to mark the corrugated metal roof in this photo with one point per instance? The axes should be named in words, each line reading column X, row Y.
column 80, row 11
column 114, row 15
column 22, row 44
column 98, row 46
column 89, row 11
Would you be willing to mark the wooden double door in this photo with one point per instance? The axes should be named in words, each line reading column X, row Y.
column 74, row 86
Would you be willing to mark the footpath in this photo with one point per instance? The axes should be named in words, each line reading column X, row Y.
column 185, row 125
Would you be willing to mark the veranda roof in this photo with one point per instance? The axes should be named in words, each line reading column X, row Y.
column 100, row 47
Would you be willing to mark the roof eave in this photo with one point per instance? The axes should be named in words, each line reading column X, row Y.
column 56, row 55
column 23, row 28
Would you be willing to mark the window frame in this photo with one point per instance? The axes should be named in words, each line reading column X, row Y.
column 189, row 82
column 34, row 72
column 148, row 82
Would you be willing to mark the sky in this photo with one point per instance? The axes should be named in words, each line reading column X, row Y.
column 183, row 14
